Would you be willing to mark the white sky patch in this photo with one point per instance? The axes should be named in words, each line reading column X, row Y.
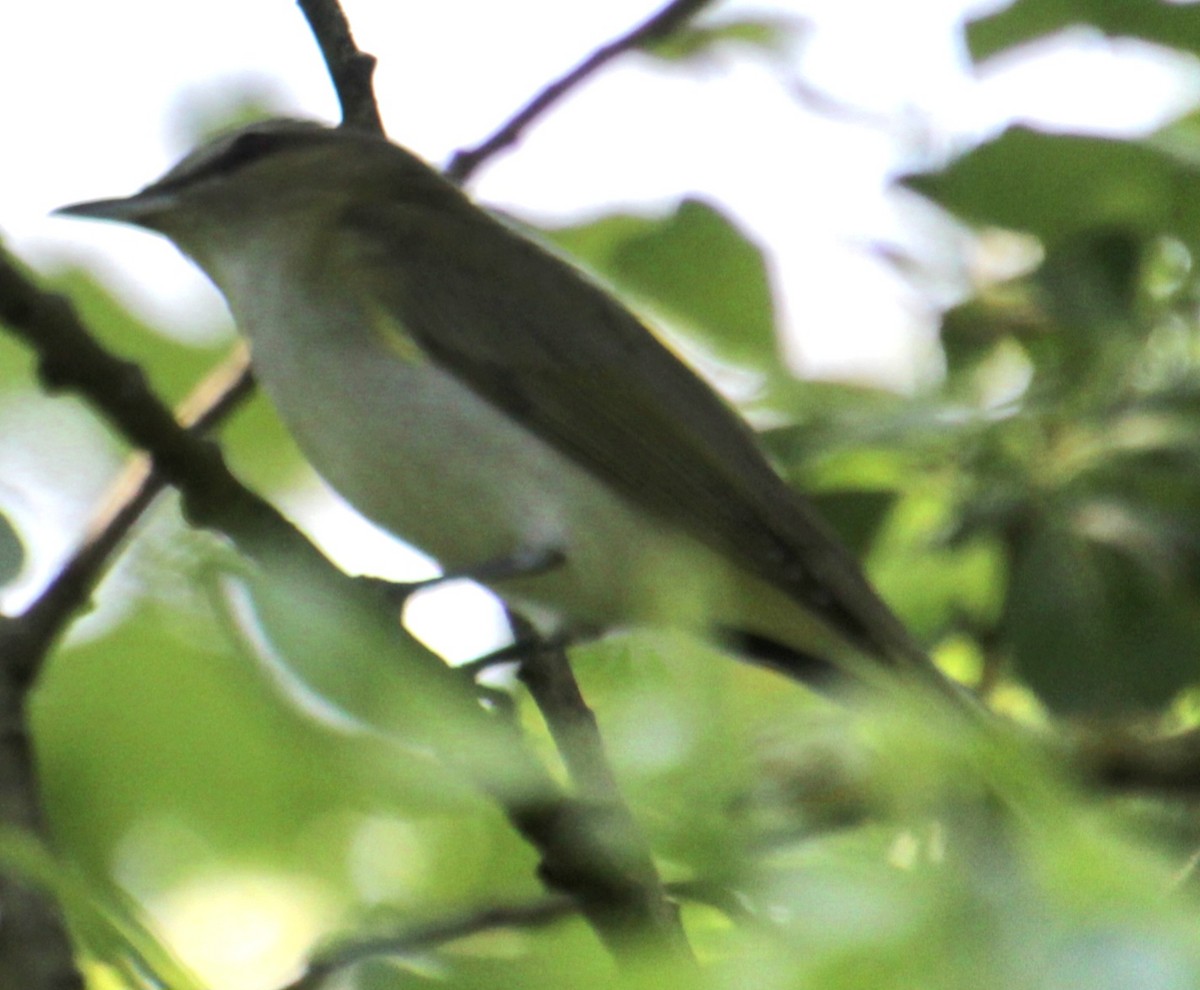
column 812, row 188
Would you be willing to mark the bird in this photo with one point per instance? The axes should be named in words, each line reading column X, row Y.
column 484, row 399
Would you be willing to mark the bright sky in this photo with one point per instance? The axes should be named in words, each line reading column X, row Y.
column 94, row 91
column 811, row 187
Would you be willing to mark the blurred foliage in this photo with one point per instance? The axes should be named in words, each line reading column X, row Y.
column 725, row 303
column 244, row 765
column 1084, row 473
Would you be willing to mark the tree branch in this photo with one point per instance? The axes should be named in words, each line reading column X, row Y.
column 350, row 68
column 70, row 358
column 1167, row 765
column 423, row 938
column 464, row 163
column 546, row 673
column 545, row 670
column 35, row 949
column 139, row 484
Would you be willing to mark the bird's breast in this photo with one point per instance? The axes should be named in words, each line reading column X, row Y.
column 420, row 453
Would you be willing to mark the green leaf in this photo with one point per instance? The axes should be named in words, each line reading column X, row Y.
column 933, row 579
column 106, row 925
column 1092, row 631
column 1093, row 282
column 1059, row 186
column 695, row 267
column 150, row 721
column 178, row 700
column 1176, row 25
column 16, row 363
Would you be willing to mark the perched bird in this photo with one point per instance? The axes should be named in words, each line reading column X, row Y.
column 481, row 398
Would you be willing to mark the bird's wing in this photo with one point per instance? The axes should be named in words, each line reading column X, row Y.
column 557, row 353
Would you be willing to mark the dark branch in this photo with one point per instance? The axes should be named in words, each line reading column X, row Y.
column 69, row 357
column 546, row 673
column 139, row 484
column 350, row 68
column 1168, row 765
column 35, row 949
column 464, row 163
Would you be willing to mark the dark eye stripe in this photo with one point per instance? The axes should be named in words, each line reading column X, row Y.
column 236, row 152
column 245, row 149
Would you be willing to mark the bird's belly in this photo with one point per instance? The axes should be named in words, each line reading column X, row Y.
column 425, row 457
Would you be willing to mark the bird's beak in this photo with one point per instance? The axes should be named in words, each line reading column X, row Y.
column 139, row 209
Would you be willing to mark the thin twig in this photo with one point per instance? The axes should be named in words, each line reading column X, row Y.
column 424, row 938
column 464, row 163
column 430, row 936
column 350, row 68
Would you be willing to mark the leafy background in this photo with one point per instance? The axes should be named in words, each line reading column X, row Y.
column 1033, row 515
